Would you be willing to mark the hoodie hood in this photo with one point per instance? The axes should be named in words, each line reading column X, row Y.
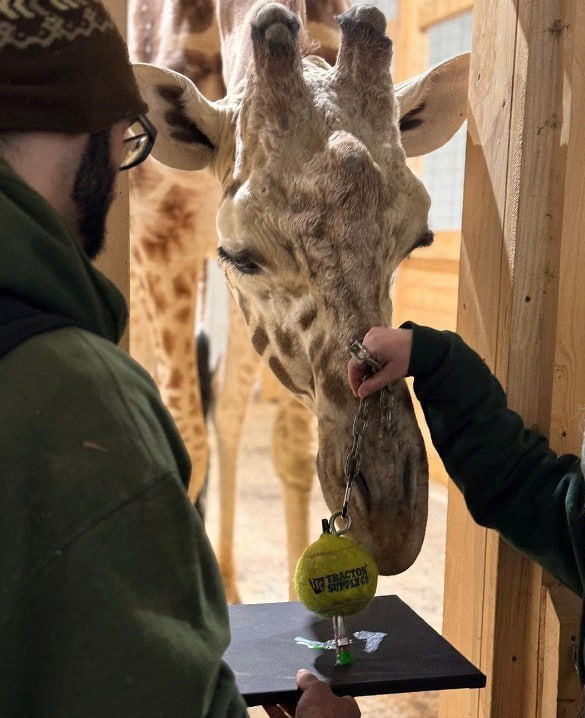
column 43, row 264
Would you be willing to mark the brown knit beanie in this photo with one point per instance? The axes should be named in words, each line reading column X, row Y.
column 64, row 67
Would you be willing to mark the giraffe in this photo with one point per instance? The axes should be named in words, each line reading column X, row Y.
column 173, row 233
column 318, row 208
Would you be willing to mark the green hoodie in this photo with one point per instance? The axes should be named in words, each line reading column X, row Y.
column 111, row 602
column 510, row 478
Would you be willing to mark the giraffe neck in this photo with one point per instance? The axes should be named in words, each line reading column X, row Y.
column 182, row 35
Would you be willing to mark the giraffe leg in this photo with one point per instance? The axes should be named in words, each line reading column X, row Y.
column 177, row 375
column 141, row 339
column 293, row 454
column 240, row 369
column 171, row 302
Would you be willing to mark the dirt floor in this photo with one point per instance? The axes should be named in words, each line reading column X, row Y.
column 261, row 555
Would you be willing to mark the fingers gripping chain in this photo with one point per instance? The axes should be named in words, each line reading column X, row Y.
column 362, row 355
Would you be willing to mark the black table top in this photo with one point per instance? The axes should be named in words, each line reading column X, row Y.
column 411, row 657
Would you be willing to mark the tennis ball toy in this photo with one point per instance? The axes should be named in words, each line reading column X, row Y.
column 336, row 576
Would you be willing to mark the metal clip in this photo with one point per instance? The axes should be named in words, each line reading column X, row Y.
column 362, row 355
column 344, row 529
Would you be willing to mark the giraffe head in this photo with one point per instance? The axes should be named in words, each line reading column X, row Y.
column 318, row 210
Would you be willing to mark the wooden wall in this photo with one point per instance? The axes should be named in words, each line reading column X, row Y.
column 427, row 282
column 115, row 260
column 521, row 305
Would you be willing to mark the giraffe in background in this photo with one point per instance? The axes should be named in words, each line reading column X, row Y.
column 172, row 235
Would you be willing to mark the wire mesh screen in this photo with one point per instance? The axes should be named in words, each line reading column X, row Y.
column 444, row 169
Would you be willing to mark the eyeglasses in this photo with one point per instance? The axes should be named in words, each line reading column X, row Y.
column 139, row 145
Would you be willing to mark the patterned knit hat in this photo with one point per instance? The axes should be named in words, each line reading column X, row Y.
column 64, row 67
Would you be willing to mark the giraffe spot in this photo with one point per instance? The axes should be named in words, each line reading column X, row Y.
column 296, row 291
column 159, row 301
column 197, row 14
column 260, row 340
column 334, row 389
column 202, row 69
column 182, row 315
column 324, row 11
column 168, row 341
column 176, row 380
column 182, row 287
column 285, row 341
column 324, row 361
column 316, row 347
column 307, row 318
column 244, row 306
column 281, row 374
column 173, row 403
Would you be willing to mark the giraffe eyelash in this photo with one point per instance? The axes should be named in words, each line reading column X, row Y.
column 242, row 262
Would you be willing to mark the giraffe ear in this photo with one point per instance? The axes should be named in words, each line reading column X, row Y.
column 188, row 125
column 433, row 105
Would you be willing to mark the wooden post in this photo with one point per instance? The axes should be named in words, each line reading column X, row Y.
column 114, row 260
column 519, row 248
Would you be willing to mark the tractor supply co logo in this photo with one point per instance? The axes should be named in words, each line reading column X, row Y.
column 334, row 582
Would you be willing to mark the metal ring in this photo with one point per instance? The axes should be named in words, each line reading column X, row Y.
column 333, row 528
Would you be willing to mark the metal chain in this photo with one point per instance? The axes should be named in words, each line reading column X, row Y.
column 360, row 423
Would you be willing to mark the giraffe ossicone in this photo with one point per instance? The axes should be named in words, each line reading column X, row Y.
column 318, row 209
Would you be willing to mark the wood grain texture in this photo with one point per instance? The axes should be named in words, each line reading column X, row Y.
column 491, row 83
column 516, row 221
column 434, row 11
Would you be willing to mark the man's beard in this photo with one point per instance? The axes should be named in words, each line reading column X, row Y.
column 93, row 192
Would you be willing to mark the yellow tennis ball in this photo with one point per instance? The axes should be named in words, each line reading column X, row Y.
column 336, row 576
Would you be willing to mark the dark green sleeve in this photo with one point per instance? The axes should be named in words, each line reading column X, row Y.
column 129, row 620
column 510, row 478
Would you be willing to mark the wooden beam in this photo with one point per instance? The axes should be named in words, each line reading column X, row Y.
column 434, row 11
column 513, row 224
column 411, row 50
column 560, row 690
column 491, row 76
column 569, row 378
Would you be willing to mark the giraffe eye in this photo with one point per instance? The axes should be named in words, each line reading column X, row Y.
column 242, row 261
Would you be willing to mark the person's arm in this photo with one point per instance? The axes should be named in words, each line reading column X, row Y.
column 510, row 478
column 129, row 619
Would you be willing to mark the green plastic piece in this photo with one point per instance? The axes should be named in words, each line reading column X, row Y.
column 345, row 658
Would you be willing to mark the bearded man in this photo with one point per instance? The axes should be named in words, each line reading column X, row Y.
column 111, row 602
